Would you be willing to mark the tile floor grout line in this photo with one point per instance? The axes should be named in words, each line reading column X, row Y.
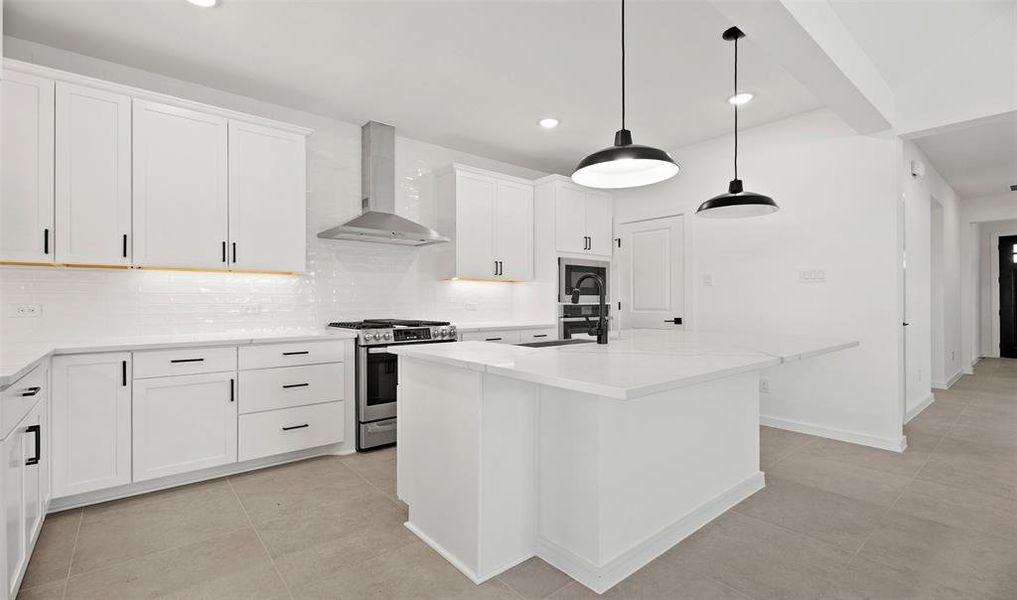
column 74, row 549
column 257, row 534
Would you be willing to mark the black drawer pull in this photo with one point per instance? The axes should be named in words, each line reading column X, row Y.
column 295, row 385
column 233, row 395
column 28, row 393
column 37, row 430
column 187, row 360
column 295, row 427
column 498, row 339
column 295, row 353
column 537, row 335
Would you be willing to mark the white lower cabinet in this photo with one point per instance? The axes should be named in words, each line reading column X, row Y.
column 506, row 336
column 91, row 422
column 290, row 429
column 184, row 423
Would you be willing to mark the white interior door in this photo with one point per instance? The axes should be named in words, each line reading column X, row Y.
column 268, row 220
column 26, row 213
column 93, row 176
column 651, row 265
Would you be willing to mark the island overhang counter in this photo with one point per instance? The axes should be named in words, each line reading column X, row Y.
column 595, row 458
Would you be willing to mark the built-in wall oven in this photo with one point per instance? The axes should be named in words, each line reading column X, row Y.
column 378, row 372
column 569, row 272
column 575, row 320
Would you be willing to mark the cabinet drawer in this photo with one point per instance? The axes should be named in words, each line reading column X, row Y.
column 538, row 335
column 498, row 337
column 184, row 361
column 263, row 356
column 20, row 397
column 290, row 429
column 286, row 387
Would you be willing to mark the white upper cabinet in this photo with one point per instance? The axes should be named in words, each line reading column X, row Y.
column 26, row 216
column 490, row 218
column 267, row 206
column 583, row 218
column 93, row 176
column 180, row 183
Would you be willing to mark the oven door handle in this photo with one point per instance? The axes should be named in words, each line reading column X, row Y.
column 374, row 428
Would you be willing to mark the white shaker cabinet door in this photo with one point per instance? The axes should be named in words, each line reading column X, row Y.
column 180, row 187
column 570, row 219
column 513, row 231
column 91, row 407
column 93, row 176
column 13, row 489
column 599, row 223
column 184, row 423
column 267, row 199
column 476, row 196
column 26, row 198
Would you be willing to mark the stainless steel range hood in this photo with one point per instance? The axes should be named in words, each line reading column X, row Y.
column 378, row 223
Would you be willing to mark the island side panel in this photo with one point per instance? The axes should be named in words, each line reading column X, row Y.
column 438, row 457
column 657, row 468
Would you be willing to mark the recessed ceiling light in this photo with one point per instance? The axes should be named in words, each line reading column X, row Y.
column 548, row 122
column 204, row 3
column 741, row 98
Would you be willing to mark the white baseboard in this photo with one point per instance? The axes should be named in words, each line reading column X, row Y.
column 458, row 564
column 917, row 410
column 144, row 487
column 940, row 385
column 601, row 578
column 895, row 444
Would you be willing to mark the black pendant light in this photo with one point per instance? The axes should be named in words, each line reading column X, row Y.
column 737, row 202
column 625, row 164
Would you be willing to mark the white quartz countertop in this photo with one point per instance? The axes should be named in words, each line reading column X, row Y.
column 504, row 325
column 17, row 359
column 635, row 363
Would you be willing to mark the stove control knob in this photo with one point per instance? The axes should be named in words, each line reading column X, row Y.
column 368, row 336
column 444, row 332
column 452, row 331
column 388, row 335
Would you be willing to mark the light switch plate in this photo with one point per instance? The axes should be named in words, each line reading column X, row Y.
column 811, row 276
column 708, row 280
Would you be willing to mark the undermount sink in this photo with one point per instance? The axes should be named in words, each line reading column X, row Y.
column 552, row 343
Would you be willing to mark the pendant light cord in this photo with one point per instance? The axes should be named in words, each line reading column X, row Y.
column 736, row 109
column 623, row 62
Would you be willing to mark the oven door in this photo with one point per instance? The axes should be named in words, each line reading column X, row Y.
column 569, row 272
column 377, row 378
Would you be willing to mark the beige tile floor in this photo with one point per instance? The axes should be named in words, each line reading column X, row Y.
column 835, row 522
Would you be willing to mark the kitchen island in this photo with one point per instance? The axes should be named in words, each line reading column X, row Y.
column 596, row 458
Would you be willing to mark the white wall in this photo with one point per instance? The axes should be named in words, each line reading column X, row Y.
column 837, row 191
column 934, row 344
column 345, row 280
column 976, row 215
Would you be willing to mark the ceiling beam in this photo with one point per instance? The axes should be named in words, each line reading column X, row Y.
column 811, row 43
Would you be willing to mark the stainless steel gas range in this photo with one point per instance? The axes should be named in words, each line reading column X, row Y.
column 378, row 373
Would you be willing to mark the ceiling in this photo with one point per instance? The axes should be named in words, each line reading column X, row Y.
column 901, row 37
column 470, row 75
column 978, row 160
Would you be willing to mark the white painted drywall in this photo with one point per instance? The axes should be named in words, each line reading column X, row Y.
column 345, row 280
column 839, row 212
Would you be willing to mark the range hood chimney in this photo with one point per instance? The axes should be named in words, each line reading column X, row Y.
column 378, row 222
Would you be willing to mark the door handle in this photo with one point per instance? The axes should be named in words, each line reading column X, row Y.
column 123, row 373
column 374, row 428
column 37, row 430
column 234, row 253
column 28, row 393
column 296, row 353
column 186, row 360
column 676, row 320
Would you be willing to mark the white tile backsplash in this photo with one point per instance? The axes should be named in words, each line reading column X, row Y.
column 345, row 280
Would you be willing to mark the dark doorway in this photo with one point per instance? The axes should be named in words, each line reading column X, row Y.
column 1008, row 296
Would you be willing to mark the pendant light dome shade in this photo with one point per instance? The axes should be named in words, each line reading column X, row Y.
column 737, row 203
column 625, row 164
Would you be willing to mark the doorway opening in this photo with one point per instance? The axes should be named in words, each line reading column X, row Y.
column 1008, row 296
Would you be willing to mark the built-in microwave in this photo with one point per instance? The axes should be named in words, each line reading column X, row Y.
column 569, row 272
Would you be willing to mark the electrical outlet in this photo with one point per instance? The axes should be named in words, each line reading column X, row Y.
column 764, row 385
column 811, row 276
column 953, row 355
column 24, row 310
column 708, row 280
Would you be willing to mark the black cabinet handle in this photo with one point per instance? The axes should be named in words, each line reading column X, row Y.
column 28, row 393
column 291, row 427
column 45, row 241
column 123, row 373
column 234, row 253
column 295, row 385
column 537, row 335
column 224, row 251
column 495, row 267
column 37, row 430
column 296, row 353
column 125, row 246
column 497, row 339
column 233, row 395
column 186, row 360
